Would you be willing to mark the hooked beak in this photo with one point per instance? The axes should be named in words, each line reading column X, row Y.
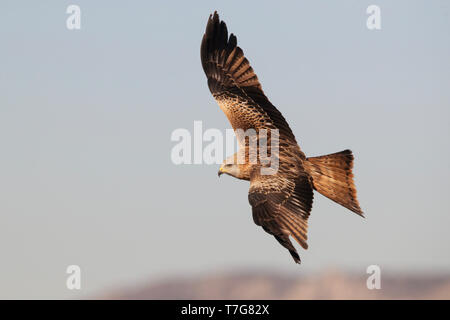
column 220, row 172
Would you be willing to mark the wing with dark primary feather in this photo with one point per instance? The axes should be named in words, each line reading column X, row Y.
column 234, row 84
column 281, row 207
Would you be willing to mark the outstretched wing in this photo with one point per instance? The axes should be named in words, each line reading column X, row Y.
column 234, row 84
column 281, row 206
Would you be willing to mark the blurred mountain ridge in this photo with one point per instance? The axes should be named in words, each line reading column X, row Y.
column 331, row 284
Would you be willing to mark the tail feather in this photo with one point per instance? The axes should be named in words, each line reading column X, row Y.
column 332, row 176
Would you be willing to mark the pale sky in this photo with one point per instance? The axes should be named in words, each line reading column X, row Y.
column 86, row 118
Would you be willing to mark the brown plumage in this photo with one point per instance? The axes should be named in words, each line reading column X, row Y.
column 281, row 202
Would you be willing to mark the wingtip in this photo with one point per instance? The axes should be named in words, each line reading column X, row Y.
column 215, row 16
column 295, row 256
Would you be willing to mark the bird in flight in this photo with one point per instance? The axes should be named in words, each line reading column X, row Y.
column 281, row 201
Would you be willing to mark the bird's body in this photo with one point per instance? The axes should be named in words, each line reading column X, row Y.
column 281, row 201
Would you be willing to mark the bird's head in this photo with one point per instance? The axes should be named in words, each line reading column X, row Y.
column 230, row 169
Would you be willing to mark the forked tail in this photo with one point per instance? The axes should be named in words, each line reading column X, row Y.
column 332, row 176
